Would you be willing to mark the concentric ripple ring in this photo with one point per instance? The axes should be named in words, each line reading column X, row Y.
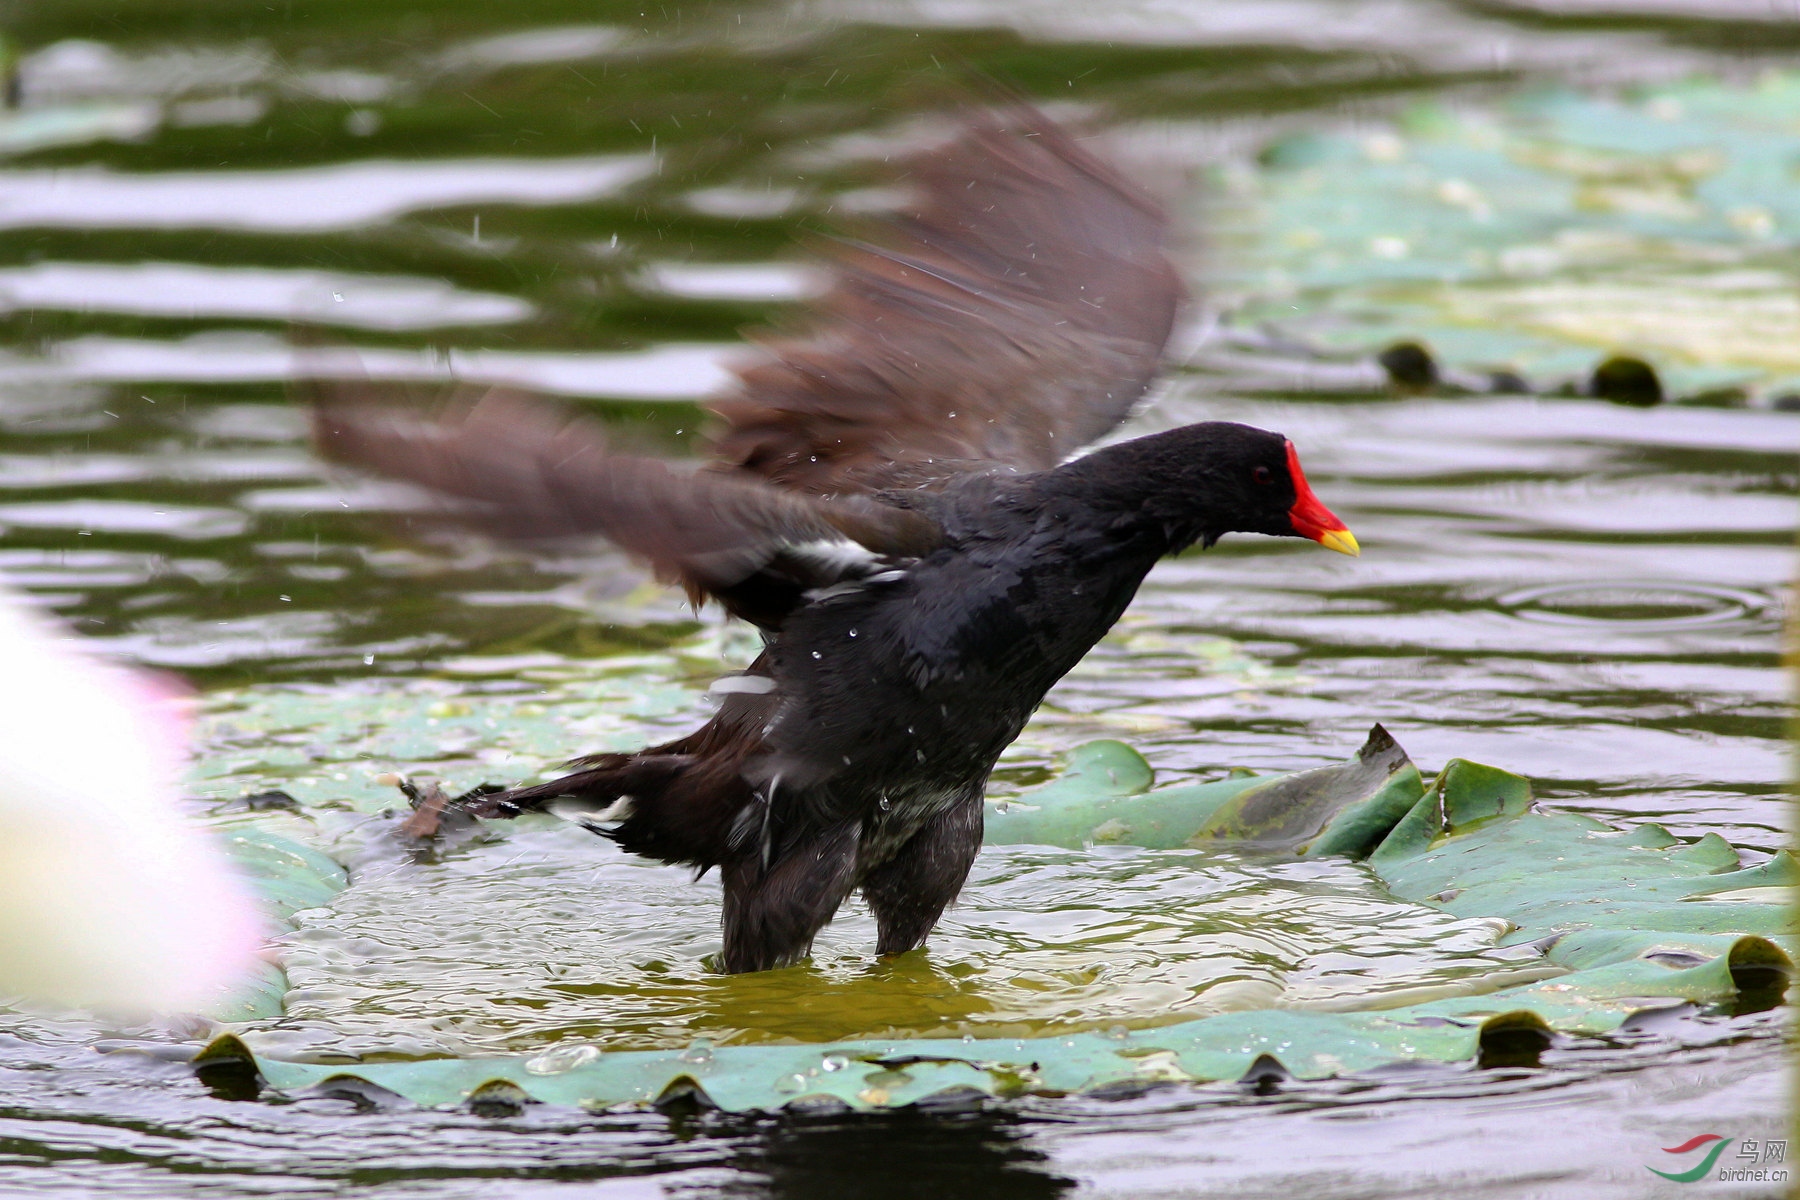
column 1633, row 604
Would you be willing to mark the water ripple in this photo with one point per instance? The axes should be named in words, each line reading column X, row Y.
column 1637, row 605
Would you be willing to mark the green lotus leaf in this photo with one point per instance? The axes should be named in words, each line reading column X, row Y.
column 1540, row 236
column 288, row 878
column 1603, row 922
column 1102, row 797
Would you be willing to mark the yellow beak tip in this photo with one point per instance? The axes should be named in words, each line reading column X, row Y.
column 1341, row 540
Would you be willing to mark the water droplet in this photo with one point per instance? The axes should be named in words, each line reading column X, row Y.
column 559, row 1059
column 700, row 1053
column 884, row 804
column 790, row 1085
column 1117, row 1032
column 368, row 660
column 834, row 1062
column 909, row 729
column 853, row 633
column 816, row 654
column 952, row 414
column 337, row 297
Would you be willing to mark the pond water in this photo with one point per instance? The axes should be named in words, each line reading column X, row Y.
column 593, row 199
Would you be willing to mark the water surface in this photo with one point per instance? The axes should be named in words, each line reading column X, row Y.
column 592, row 200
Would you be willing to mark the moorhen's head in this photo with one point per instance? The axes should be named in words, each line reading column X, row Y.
column 1220, row 477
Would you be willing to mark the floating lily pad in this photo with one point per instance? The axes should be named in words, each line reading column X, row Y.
column 1540, row 237
column 333, row 746
column 288, row 877
column 1568, row 925
column 1103, row 797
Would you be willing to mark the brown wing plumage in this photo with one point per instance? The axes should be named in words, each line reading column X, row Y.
column 532, row 471
column 1014, row 314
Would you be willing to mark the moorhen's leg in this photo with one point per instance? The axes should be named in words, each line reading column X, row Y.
column 909, row 892
column 771, row 916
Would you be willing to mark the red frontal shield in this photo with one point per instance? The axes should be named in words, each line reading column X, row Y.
column 1312, row 519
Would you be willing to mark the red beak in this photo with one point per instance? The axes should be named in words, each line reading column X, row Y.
column 1312, row 519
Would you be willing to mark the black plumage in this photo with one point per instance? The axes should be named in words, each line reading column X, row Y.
column 890, row 505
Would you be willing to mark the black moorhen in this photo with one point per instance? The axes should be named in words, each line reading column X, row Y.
column 888, row 507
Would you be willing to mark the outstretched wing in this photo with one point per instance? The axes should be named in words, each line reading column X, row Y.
column 1014, row 314
column 529, row 470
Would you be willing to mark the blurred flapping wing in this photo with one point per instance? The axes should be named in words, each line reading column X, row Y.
column 528, row 470
column 1017, row 312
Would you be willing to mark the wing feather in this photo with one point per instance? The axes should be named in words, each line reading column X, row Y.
column 1016, row 313
column 528, row 470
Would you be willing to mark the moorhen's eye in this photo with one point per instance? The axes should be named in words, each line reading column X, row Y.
column 1262, row 475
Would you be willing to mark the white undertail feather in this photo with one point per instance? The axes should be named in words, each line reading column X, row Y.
column 837, row 558
column 743, row 685
column 851, row 587
column 591, row 814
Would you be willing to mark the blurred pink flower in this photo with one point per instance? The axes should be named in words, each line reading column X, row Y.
column 110, row 896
